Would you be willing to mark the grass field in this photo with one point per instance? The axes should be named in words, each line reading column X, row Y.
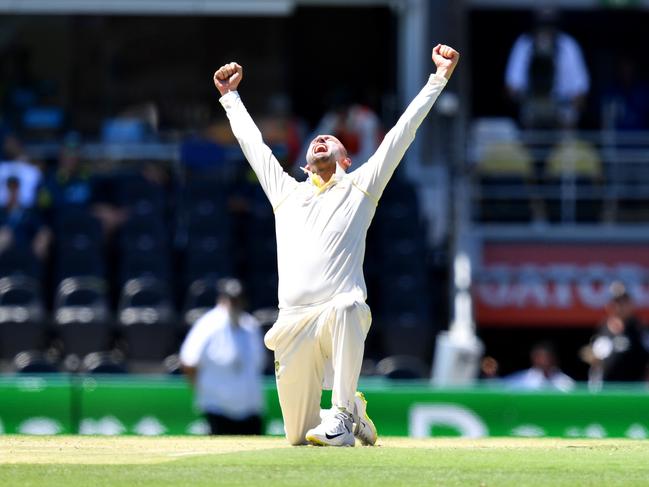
column 238, row 461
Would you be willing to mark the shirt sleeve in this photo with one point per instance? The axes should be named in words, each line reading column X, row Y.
column 577, row 80
column 192, row 348
column 373, row 176
column 518, row 63
column 275, row 182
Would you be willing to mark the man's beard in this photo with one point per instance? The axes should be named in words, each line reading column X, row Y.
column 322, row 163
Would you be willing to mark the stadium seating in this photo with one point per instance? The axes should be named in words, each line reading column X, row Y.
column 207, row 225
column 267, row 318
column 104, row 363
column 172, row 365
column 82, row 316
column 577, row 164
column 406, row 333
column 262, row 289
column 208, row 257
column 78, row 246
column 142, row 197
column 402, row 367
column 34, row 362
column 406, row 292
column 201, row 297
column 145, row 255
column 123, row 130
column 147, row 320
column 504, row 172
column 122, row 289
column 22, row 316
column 19, row 261
column 260, row 259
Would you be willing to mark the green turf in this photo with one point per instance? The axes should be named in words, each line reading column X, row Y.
column 267, row 462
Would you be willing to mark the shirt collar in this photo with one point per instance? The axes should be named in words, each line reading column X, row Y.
column 317, row 182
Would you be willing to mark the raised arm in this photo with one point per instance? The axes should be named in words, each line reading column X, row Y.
column 374, row 175
column 275, row 182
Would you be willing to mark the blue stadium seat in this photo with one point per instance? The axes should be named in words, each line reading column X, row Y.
column 104, row 363
column 200, row 298
column 35, row 362
column 78, row 246
column 200, row 154
column 208, row 257
column 401, row 367
column 406, row 333
column 147, row 320
column 82, row 316
column 262, row 289
column 43, row 118
column 140, row 196
column 22, row 316
column 17, row 261
column 123, row 131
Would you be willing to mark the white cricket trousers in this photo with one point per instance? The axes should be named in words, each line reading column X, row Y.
column 316, row 347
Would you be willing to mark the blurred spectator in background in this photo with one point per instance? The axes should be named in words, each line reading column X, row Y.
column 106, row 206
column 16, row 164
column 69, row 186
column 544, row 373
column 223, row 358
column 21, row 227
column 489, row 368
column 546, row 75
column 625, row 103
column 616, row 352
column 356, row 126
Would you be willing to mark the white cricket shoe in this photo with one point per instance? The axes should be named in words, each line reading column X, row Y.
column 335, row 430
column 364, row 428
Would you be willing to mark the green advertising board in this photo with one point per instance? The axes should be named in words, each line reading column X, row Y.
column 420, row 411
column 150, row 405
column 36, row 405
column 141, row 406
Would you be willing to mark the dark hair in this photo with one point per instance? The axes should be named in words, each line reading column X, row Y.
column 618, row 293
column 546, row 17
column 13, row 181
column 230, row 287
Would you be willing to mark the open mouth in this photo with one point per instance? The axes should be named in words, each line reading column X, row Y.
column 320, row 149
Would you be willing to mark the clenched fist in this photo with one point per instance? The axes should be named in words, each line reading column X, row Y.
column 228, row 77
column 445, row 58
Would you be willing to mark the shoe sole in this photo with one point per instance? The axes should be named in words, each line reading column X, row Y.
column 369, row 421
column 317, row 442
column 314, row 441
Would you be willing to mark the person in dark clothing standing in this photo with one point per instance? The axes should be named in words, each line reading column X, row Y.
column 616, row 352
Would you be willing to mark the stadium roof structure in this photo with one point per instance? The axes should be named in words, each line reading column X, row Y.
column 185, row 7
column 567, row 4
column 261, row 7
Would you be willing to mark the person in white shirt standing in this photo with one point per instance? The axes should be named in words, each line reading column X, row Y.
column 321, row 225
column 223, row 358
column 547, row 75
column 543, row 374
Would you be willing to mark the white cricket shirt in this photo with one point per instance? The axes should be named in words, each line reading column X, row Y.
column 321, row 231
column 229, row 360
column 571, row 75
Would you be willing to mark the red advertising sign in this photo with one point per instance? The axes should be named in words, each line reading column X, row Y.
column 556, row 284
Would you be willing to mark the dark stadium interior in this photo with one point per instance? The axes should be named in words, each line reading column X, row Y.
column 605, row 35
column 95, row 67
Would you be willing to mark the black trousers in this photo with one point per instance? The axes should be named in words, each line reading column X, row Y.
column 222, row 425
